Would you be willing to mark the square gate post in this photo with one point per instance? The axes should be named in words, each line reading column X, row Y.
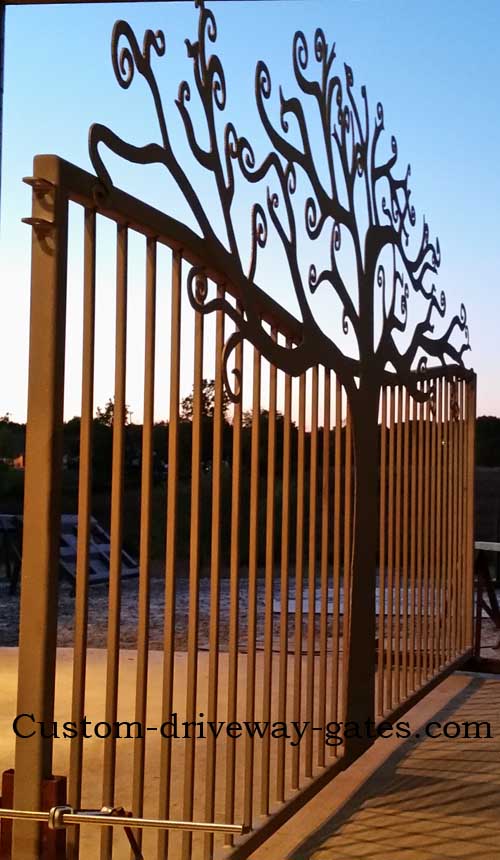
column 40, row 559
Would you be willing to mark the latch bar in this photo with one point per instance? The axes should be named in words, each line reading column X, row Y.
column 65, row 816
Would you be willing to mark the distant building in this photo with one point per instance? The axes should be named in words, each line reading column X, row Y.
column 18, row 462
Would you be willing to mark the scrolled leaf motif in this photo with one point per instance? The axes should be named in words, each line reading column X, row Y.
column 395, row 210
column 463, row 317
column 313, row 278
column 184, row 94
column 404, row 302
column 197, row 288
column 359, row 159
column 432, row 399
column 352, row 160
column 233, row 341
column 153, row 40
column 129, row 57
column 218, row 80
column 124, row 67
column 291, row 179
column 231, row 141
column 437, row 254
column 246, row 157
column 283, row 111
column 300, row 53
column 386, row 210
column 320, row 46
column 314, row 223
column 259, row 236
column 336, row 239
column 442, row 303
column 208, row 24
column 345, row 119
column 273, row 200
column 201, row 288
column 263, row 80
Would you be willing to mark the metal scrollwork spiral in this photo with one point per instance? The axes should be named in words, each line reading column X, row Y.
column 232, row 342
column 352, row 169
column 197, row 288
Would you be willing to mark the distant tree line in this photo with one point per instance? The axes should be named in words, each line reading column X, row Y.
column 12, row 437
column 488, row 441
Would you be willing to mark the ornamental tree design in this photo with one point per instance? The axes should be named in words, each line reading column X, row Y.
column 355, row 170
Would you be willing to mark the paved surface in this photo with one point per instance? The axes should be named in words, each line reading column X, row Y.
column 98, row 612
column 432, row 799
column 418, row 799
column 93, row 748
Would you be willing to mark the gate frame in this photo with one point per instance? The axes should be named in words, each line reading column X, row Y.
column 40, row 555
column 55, row 183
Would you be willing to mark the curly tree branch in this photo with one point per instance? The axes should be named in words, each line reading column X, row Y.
column 350, row 152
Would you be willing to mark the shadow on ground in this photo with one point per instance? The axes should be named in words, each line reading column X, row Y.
column 434, row 799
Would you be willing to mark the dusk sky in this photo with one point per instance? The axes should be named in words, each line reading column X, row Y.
column 435, row 68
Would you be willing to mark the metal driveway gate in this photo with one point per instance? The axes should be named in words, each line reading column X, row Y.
column 318, row 543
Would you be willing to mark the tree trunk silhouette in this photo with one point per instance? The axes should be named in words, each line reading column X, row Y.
column 359, row 685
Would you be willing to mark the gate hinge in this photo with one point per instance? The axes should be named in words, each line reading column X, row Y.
column 41, row 187
column 40, row 225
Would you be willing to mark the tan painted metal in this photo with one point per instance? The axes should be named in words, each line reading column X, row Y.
column 234, row 595
column 382, row 555
column 194, row 570
column 38, row 612
column 269, row 586
column 406, row 542
column 116, row 531
column 215, row 574
column 141, row 695
column 432, row 527
column 424, row 527
column 337, row 501
column 439, row 580
column 84, row 510
column 347, row 558
column 325, row 531
column 248, row 811
column 390, row 556
column 299, row 577
column 170, row 562
column 283, row 692
column 397, row 549
column 427, row 527
column 67, row 817
column 311, row 615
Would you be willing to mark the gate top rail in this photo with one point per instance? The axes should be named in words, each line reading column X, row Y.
column 82, row 187
column 79, row 186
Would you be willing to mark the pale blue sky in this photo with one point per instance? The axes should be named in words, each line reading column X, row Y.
column 435, row 67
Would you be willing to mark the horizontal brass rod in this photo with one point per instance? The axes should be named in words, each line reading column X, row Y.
column 67, row 818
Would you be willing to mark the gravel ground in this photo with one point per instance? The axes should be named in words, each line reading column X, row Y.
column 98, row 610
